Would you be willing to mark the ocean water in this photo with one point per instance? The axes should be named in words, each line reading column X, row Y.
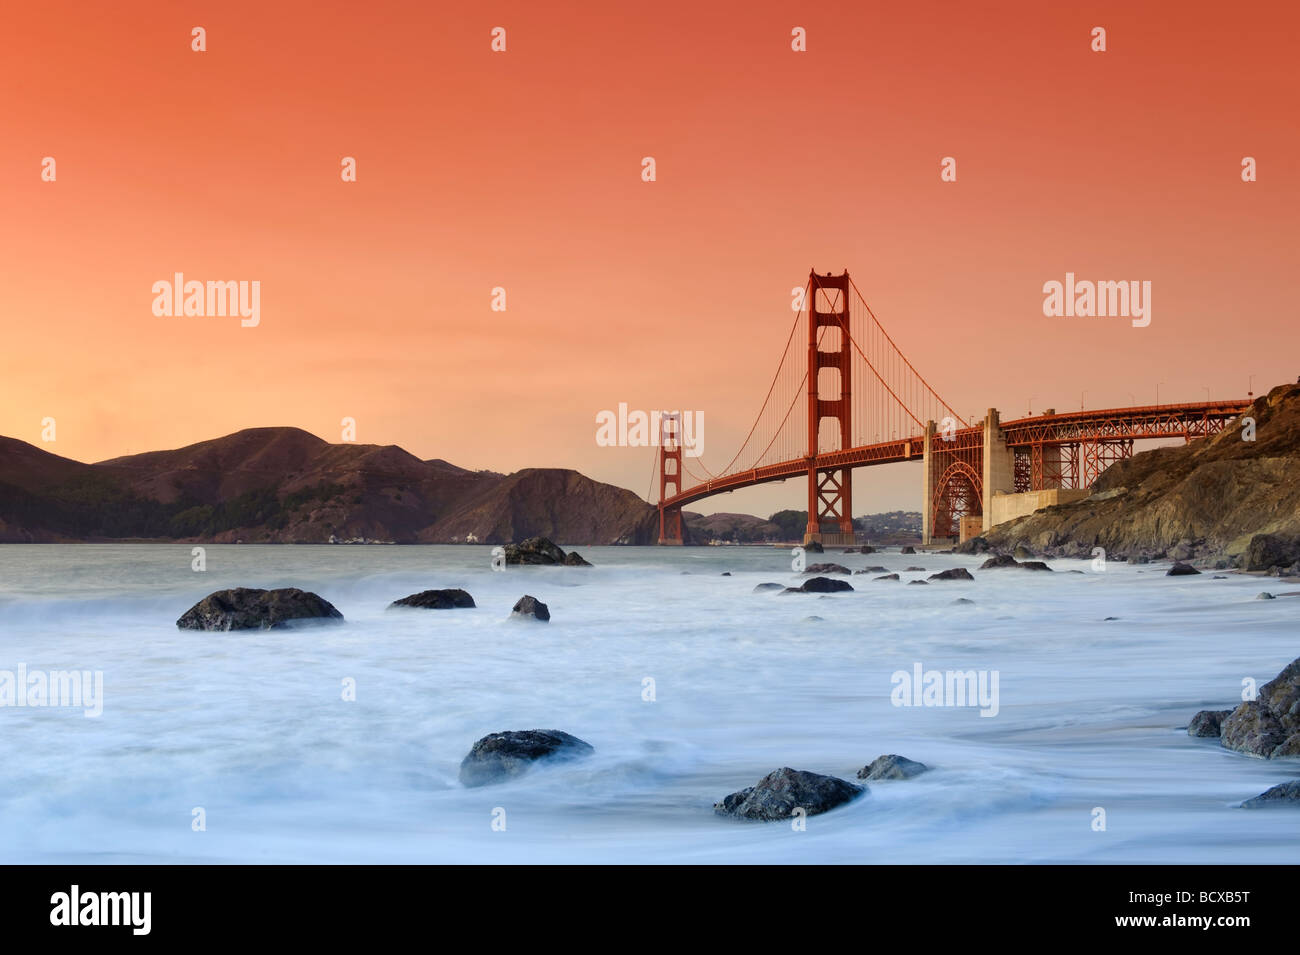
column 252, row 727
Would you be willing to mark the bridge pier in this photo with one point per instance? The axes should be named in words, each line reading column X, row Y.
column 999, row 466
column 927, row 484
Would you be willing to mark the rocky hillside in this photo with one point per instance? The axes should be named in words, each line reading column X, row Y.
column 284, row 485
column 1205, row 499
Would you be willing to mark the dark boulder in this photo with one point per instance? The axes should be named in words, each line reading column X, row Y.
column 820, row 585
column 892, row 766
column 827, row 569
column 436, row 600
column 886, row 577
column 913, row 570
column 1280, row 795
column 955, row 573
column 541, row 551
column 528, row 606
column 248, row 608
column 778, row 794
column 1268, row 726
column 867, row 549
column 921, row 582
column 1034, row 565
column 1181, row 570
column 1266, row 551
column 1207, row 723
column 501, row 756
column 908, row 550
column 1001, row 560
column 761, row 588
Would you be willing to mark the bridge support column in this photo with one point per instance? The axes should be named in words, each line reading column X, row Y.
column 927, row 485
column 670, row 475
column 830, row 492
column 999, row 465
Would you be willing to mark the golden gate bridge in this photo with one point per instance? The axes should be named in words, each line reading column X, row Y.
column 844, row 396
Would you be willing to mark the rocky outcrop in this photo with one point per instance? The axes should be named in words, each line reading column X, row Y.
column 1210, row 498
column 1283, row 794
column 820, row 585
column 448, row 599
column 1269, row 725
column 892, row 766
column 955, row 573
column 1207, row 723
column 498, row 757
column 530, row 607
column 541, row 551
column 778, row 794
column 248, row 608
column 827, row 569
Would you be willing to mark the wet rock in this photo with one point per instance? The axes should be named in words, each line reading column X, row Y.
column 1266, row 551
column 1207, row 723
column 1105, row 619
column 907, row 550
column 726, row 573
column 528, row 606
column 955, row 573
column 436, row 600
column 875, row 569
column 764, row 588
column 248, row 608
column 913, row 570
column 1181, row 570
column 813, row 619
column 1265, row 595
column 1282, row 794
column 820, row 585
column 1034, row 565
column 892, row 766
column 827, row 569
column 1268, row 726
column 921, row 582
column 1001, row 560
column 962, row 600
column 867, row 549
column 542, row 551
column 501, row 756
column 778, row 794
column 887, row 577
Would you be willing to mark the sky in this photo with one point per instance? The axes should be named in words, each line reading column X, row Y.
column 522, row 170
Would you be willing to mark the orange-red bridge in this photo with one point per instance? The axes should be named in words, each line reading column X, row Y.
column 846, row 401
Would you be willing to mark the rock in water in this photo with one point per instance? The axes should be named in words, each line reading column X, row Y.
column 1279, row 795
column 907, row 550
column 956, row 573
column 784, row 790
column 1269, row 725
column 1207, row 723
column 813, row 547
column 527, row 606
column 820, row 585
column 892, row 766
column 247, row 608
column 1001, row 560
column 1181, row 570
column 886, row 577
column 540, row 550
column 436, row 600
column 827, row 569
column 765, row 587
column 501, row 756
column 572, row 559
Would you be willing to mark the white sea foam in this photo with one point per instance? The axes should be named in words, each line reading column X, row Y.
column 252, row 726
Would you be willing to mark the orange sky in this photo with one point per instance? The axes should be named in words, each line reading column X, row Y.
column 479, row 169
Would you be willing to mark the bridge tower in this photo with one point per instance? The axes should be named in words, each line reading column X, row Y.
column 670, row 472
column 830, row 491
